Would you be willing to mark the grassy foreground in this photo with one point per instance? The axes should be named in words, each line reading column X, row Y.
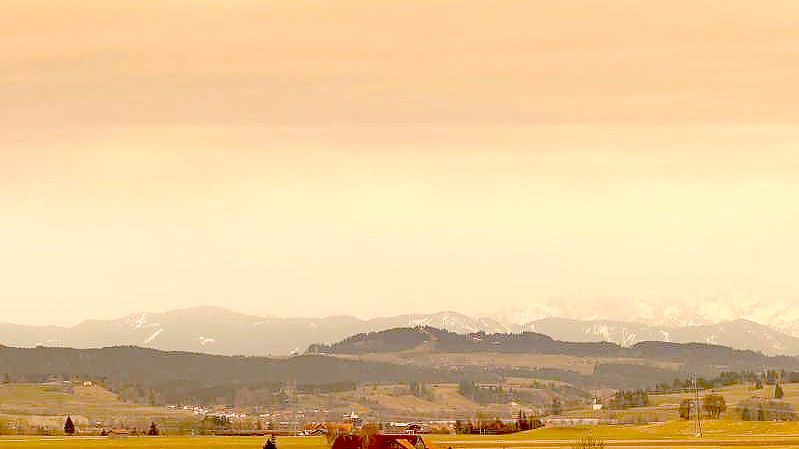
column 678, row 429
column 668, row 435
column 158, row 442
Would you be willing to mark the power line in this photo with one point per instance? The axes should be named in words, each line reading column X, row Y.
column 697, row 405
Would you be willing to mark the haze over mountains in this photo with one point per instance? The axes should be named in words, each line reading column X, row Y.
column 220, row 331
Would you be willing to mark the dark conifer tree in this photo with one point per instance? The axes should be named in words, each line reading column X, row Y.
column 69, row 426
column 556, row 408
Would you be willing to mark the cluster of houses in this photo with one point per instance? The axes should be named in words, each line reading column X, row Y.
column 227, row 415
column 351, row 423
column 294, row 423
column 317, row 422
column 196, row 410
column 569, row 421
column 219, row 413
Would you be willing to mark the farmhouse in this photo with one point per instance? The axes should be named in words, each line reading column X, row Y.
column 386, row 441
column 404, row 427
column 316, row 429
column 352, row 418
column 380, row 441
column 118, row 433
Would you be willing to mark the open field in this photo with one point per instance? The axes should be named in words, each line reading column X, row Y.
column 667, row 436
column 440, row 401
column 582, row 365
column 159, row 442
column 664, row 407
column 396, row 400
column 676, row 433
column 675, row 430
column 46, row 406
column 736, row 393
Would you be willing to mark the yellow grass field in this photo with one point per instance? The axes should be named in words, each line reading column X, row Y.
column 159, row 442
column 675, row 434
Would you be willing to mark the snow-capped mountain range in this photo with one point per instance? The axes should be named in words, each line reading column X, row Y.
column 739, row 334
column 220, row 331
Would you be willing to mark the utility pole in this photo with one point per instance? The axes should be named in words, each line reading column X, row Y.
column 291, row 396
column 697, row 407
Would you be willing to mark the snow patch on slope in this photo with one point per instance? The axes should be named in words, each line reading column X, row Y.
column 153, row 336
column 628, row 338
column 602, row 330
column 206, row 341
column 418, row 322
column 138, row 321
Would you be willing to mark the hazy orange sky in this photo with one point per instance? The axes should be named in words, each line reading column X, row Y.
column 521, row 158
